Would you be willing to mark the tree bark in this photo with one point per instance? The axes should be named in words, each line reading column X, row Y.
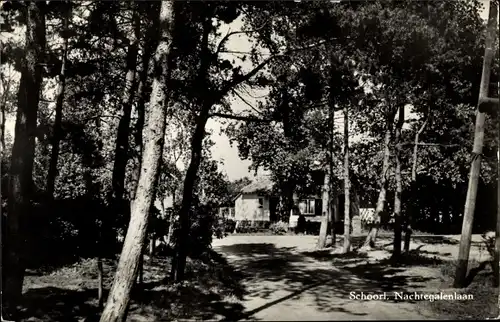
column 126, row 273
column 372, row 235
column 470, row 203
column 396, row 253
column 3, row 102
column 20, row 183
column 122, row 142
column 347, row 186
column 413, row 188
column 100, row 281
column 142, row 90
column 57, row 135
column 323, row 231
column 205, row 101
column 496, row 257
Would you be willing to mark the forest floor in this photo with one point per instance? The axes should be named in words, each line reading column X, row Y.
column 276, row 278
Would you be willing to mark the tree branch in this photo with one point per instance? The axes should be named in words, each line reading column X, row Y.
column 240, row 118
column 246, row 102
column 238, row 79
column 431, row 144
column 232, row 33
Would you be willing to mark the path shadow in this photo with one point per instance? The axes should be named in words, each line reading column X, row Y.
column 274, row 275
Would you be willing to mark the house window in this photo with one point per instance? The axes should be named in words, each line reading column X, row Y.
column 261, row 202
column 307, row 207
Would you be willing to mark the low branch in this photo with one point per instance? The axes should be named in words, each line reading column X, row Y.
column 240, row 118
column 232, row 33
column 246, row 102
column 432, row 144
column 237, row 80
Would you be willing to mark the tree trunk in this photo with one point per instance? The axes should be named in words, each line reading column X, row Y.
column 347, row 186
column 122, row 143
column 372, row 235
column 496, row 257
column 142, row 91
column 57, row 134
column 140, row 278
column 100, row 281
column 3, row 102
column 413, row 188
column 170, row 232
column 20, row 184
column 470, row 203
column 179, row 261
column 126, row 273
column 396, row 253
column 323, row 231
column 205, row 101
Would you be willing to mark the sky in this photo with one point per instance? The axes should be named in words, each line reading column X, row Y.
column 233, row 165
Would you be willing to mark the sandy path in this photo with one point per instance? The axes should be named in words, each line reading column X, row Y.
column 284, row 283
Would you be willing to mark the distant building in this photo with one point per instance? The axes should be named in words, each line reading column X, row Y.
column 256, row 203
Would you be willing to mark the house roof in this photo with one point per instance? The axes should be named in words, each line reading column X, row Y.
column 261, row 184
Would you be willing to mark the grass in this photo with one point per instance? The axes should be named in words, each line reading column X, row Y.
column 212, row 290
column 485, row 296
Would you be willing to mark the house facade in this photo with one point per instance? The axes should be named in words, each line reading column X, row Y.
column 256, row 203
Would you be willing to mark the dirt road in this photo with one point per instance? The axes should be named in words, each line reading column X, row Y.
column 284, row 280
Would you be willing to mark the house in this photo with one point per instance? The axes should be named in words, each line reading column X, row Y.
column 256, row 203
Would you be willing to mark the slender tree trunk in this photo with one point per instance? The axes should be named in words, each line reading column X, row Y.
column 323, row 231
column 399, row 186
column 347, row 185
column 122, row 143
column 413, row 188
column 3, row 102
column 119, row 297
column 142, row 91
column 205, row 101
column 57, row 135
column 140, row 278
column 20, row 184
column 496, row 257
column 171, row 226
column 100, row 280
column 372, row 235
column 465, row 240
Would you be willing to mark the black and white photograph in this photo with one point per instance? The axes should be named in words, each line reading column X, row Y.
column 217, row 160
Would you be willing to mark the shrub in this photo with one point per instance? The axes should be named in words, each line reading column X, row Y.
column 279, row 228
column 229, row 225
column 246, row 226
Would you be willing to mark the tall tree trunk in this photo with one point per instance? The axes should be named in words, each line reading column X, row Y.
column 122, row 144
column 57, row 134
column 396, row 253
column 3, row 106
column 323, row 231
column 126, row 273
column 205, row 101
column 347, row 185
column 20, row 184
column 496, row 257
column 372, row 235
column 142, row 91
column 413, row 187
column 470, row 203
column 100, row 283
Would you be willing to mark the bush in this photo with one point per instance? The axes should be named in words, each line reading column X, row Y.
column 229, row 225
column 279, row 228
column 246, row 226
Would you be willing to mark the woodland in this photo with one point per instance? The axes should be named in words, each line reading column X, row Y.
column 105, row 106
